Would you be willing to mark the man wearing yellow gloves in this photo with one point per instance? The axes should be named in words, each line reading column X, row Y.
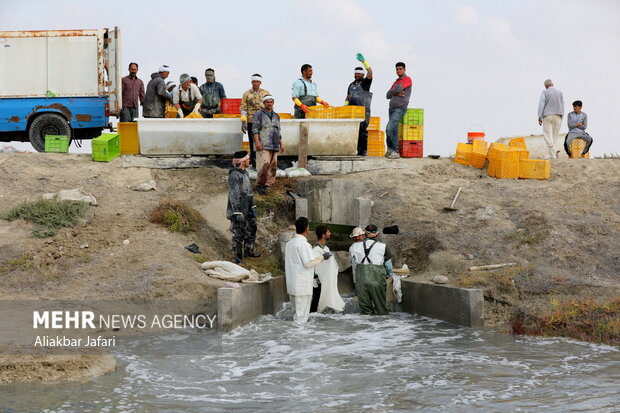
column 186, row 97
column 359, row 94
column 252, row 102
column 305, row 93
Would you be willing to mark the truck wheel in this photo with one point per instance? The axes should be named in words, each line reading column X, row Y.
column 47, row 124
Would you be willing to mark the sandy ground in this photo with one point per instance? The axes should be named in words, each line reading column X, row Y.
column 564, row 231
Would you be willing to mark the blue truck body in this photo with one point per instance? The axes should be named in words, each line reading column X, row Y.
column 16, row 114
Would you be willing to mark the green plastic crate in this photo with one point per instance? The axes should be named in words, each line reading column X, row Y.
column 413, row 117
column 57, row 143
column 106, row 147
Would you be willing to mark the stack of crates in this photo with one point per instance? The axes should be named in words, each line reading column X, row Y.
column 503, row 161
column 106, row 147
column 510, row 161
column 321, row 112
column 411, row 134
column 376, row 138
column 478, row 153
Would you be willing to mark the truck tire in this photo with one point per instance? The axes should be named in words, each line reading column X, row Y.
column 47, row 124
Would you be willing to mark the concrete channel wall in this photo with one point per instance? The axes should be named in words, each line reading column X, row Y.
column 241, row 305
column 462, row 306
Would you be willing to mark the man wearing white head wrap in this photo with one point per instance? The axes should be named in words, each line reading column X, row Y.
column 252, row 102
column 267, row 141
column 358, row 94
column 550, row 113
column 156, row 94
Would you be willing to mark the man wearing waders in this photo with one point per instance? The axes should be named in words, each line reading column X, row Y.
column 212, row 94
column 359, row 94
column 186, row 97
column 368, row 258
column 241, row 210
column 305, row 93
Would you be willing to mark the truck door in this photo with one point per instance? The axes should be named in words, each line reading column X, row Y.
column 113, row 52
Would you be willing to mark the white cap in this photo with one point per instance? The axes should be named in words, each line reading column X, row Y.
column 268, row 97
column 357, row 231
column 164, row 68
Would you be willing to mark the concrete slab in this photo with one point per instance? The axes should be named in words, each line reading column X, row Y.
column 132, row 161
column 239, row 306
column 339, row 167
column 462, row 306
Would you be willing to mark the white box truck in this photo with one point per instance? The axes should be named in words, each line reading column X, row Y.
column 58, row 82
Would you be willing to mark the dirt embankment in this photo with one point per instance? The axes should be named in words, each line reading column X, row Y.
column 563, row 233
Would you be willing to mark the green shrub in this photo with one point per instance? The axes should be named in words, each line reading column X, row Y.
column 48, row 216
column 177, row 216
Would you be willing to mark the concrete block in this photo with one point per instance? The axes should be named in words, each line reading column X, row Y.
column 301, row 207
column 362, row 208
column 331, row 201
column 462, row 306
column 239, row 306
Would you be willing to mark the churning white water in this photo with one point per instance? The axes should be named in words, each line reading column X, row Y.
column 346, row 363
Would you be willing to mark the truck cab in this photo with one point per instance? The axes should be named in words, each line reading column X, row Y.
column 58, row 82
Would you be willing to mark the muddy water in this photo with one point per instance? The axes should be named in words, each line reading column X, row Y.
column 345, row 363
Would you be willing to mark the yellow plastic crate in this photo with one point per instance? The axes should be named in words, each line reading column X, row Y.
column 285, row 115
column 477, row 160
column 350, row 112
column 517, row 143
column 321, row 112
column 410, row 132
column 463, row 154
column 374, row 124
column 479, row 147
column 576, row 148
column 376, row 136
column 226, row 115
column 128, row 133
column 534, row 169
column 194, row 115
column 523, row 153
column 507, row 165
column 171, row 112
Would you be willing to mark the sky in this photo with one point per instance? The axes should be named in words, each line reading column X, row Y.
column 474, row 64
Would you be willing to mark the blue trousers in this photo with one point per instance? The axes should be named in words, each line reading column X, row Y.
column 391, row 130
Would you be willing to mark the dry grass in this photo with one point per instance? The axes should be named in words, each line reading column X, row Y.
column 585, row 319
column 502, row 279
column 25, row 262
column 48, row 216
column 532, row 229
column 278, row 201
column 177, row 216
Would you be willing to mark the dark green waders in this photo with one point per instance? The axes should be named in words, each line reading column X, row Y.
column 371, row 286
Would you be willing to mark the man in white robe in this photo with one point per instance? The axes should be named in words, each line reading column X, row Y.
column 328, row 274
column 299, row 263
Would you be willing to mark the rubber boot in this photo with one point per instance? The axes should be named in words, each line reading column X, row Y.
column 249, row 251
column 237, row 253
